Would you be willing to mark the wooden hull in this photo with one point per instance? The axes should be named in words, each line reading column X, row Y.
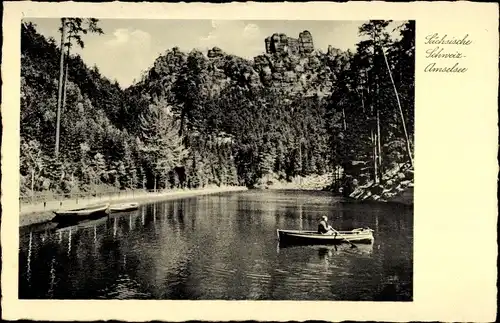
column 87, row 223
column 81, row 214
column 123, row 207
column 312, row 237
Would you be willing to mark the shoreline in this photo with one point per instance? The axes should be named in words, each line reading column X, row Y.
column 38, row 213
column 306, row 183
column 405, row 198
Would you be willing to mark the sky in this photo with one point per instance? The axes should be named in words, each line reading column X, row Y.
column 129, row 47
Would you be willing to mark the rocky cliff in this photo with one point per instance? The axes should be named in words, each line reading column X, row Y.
column 281, row 43
column 290, row 64
column 215, row 52
column 396, row 185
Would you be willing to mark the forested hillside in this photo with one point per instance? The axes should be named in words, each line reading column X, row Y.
column 196, row 119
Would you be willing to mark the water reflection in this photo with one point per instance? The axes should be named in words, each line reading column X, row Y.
column 221, row 247
column 52, row 279
column 28, row 270
column 69, row 241
column 143, row 215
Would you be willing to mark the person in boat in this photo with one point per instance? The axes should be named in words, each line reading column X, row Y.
column 324, row 227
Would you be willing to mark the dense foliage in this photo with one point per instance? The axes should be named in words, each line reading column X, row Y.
column 196, row 119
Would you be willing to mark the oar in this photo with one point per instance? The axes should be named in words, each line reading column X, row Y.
column 344, row 239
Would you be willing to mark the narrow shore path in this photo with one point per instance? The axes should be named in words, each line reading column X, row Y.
column 42, row 212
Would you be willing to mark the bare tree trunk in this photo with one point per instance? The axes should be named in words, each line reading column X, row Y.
column 343, row 117
column 374, row 138
column 408, row 148
column 65, row 82
column 377, row 109
column 375, row 163
column 60, row 87
column 379, row 146
column 183, row 117
column 32, row 185
column 300, row 156
column 363, row 102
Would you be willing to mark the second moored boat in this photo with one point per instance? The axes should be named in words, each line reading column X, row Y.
column 124, row 207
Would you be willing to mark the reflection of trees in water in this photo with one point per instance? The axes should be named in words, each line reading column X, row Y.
column 154, row 215
column 262, row 210
column 337, row 271
column 300, row 212
column 28, row 265
column 69, row 241
column 168, row 212
column 87, row 246
column 197, row 248
column 392, row 261
column 143, row 215
column 180, row 214
column 397, row 268
column 34, row 269
column 174, row 284
column 115, row 227
column 163, row 252
column 161, row 260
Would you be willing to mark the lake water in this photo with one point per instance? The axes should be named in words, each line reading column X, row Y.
column 222, row 246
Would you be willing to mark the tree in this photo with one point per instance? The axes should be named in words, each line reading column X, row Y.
column 403, row 53
column 32, row 161
column 372, row 57
column 215, row 119
column 60, row 87
column 75, row 28
column 71, row 30
column 190, row 91
column 161, row 146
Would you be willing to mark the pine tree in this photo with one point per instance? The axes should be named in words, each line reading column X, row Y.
column 161, row 147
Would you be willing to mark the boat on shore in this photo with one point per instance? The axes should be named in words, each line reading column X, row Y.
column 123, row 207
column 89, row 212
column 360, row 235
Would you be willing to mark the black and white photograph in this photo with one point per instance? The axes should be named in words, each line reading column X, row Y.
column 216, row 159
column 249, row 161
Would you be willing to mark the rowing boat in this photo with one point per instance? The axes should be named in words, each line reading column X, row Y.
column 90, row 212
column 124, row 207
column 361, row 235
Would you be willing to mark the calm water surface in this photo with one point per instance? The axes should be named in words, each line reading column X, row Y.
column 222, row 247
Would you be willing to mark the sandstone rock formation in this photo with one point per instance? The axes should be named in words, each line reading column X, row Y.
column 215, row 52
column 306, row 45
column 281, row 43
column 333, row 51
column 293, row 45
column 267, row 41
